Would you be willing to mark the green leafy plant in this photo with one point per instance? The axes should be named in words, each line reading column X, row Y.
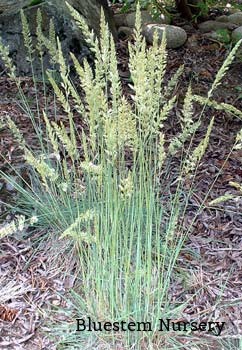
column 155, row 7
column 224, row 36
column 107, row 187
column 35, row 2
column 201, row 9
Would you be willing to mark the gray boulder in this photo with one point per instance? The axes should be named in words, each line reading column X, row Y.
column 209, row 26
column 236, row 18
column 237, row 34
column 120, row 19
column 128, row 20
column 175, row 36
column 223, row 37
column 223, row 18
column 146, row 18
column 11, row 36
column 89, row 9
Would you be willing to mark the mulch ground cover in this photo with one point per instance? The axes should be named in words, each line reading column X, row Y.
column 212, row 253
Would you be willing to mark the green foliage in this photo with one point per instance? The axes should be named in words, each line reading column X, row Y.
column 155, row 7
column 35, row 2
column 201, row 9
column 223, row 36
column 221, row 4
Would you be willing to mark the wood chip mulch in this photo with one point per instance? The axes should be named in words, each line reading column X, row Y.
column 33, row 284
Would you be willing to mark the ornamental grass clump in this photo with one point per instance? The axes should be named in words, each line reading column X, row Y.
column 106, row 187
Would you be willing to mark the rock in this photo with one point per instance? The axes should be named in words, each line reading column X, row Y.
column 128, row 20
column 192, row 43
column 69, row 34
column 125, row 31
column 11, row 33
column 145, row 18
column 223, row 18
column 10, row 187
column 212, row 169
column 120, row 19
column 209, row 26
column 89, row 9
column 230, row 11
column 223, row 36
column 11, row 7
column 188, row 28
column 237, row 34
column 236, row 18
column 175, row 36
column 56, row 302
